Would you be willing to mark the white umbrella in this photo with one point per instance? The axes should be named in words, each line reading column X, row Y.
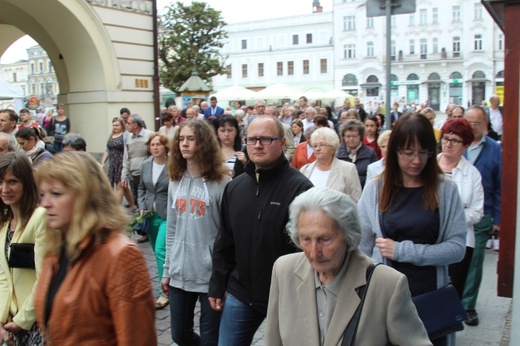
column 9, row 91
column 236, row 92
column 336, row 94
column 278, row 91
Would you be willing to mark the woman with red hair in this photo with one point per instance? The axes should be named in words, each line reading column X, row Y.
column 456, row 136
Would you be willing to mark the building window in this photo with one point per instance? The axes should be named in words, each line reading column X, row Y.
column 14, row 78
column 349, row 80
column 392, row 50
column 370, row 22
column 478, row 11
column 393, row 22
column 309, row 38
column 295, row 39
column 424, row 48
column 50, row 66
column 412, row 47
column 42, row 88
column 279, row 68
column 33, row 89
column 305, row 66
column 349, row 51
column 478, row 42
column 41, row 67
column 260, row 69
column 244, row 44
column 435, row 45
column 455, row 14
column 500, row 41
column 411, row 19
column 229, row 71
column 244, row 70
column 290, row 68
column 423, row 16
column 323, row 65
column 349, row 23
column 32, row 69
column 456, row 47
column 435, row 15
column 370, row 49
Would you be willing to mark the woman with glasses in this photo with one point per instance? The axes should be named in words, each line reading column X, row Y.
column 457, row 135
column 329, row 171
column 114, row 154
column 412, row 215
column 354, row 150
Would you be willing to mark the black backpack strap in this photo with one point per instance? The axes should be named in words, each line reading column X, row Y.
column 349, row 336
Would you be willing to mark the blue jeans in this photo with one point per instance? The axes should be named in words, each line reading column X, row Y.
column 182, row 308
column 239, row 323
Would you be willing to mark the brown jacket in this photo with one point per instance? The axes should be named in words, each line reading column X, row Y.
column 105, row 298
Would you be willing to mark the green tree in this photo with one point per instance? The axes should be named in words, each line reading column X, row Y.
column 189, row 38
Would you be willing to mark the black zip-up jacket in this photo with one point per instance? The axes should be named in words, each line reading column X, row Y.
column 252, row 233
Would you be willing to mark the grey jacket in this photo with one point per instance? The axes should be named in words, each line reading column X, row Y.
column 150, row 193
column 450, row 246
column 192, row 225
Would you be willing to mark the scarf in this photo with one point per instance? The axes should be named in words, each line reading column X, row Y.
column 37, row 150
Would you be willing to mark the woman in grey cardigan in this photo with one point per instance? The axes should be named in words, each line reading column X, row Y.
column 412, row 218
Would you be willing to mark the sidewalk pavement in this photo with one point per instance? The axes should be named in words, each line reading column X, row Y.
column 494, row 312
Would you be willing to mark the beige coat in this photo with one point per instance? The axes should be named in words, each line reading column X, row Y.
column 343, row 177
column 388, row 317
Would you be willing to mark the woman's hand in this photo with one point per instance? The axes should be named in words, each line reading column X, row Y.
column 386, row 246
column 142, row 211
column 5, row 336
column 12, row 327
column 241, row 157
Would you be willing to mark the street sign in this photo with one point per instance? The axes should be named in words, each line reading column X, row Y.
column 376, row 8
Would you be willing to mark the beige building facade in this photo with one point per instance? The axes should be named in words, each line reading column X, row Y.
column 101, row 52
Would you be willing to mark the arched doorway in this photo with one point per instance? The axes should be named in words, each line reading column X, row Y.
column 101, row 52
column 412, row 89
column 478, row 87
column 434, row 90
column 456, row 88
column 371, row 86
column 350, row 84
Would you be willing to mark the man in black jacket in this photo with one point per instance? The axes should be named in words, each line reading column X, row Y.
column 252, row 234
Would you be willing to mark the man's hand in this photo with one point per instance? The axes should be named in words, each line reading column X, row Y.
column 165, row 287
column 124, row 183
column 217, row 304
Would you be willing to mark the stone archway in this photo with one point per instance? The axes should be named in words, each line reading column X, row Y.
column 102, row 54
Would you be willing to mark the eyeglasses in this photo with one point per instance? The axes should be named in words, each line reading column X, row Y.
column 351, row 136
column 452, row 141
column 263, row 140
column 423, row 154
column 129, row 123
column 321, row 145
column 475, row 123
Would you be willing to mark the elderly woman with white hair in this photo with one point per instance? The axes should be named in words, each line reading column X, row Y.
column 328, row 170
column 378, row 167
column 318, row 288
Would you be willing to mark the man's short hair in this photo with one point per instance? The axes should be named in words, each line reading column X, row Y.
column 124, row 110
column 213, row 98
column 303, row 98
column 24, row 110
column 75, row 141
column 12, row 114
column 136, row 118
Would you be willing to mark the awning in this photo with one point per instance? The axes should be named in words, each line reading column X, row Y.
column 372, row 85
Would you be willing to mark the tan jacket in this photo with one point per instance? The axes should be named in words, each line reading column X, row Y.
column 388, row 317
column 343, row 177
column 18, row 285
column 105, row 298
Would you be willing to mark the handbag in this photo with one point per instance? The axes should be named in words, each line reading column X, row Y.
column 349, row 335
column 141, row 228
column 21, row 256
column 441, row 311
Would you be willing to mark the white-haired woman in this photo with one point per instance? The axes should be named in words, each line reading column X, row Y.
column 324, row 223
column 328, row 170
column 378, row 167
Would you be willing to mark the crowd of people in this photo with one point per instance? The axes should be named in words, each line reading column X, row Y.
column 256, row 212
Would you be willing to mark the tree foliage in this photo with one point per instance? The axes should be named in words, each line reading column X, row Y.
column 189, row 38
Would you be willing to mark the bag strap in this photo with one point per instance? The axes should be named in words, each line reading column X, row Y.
column 349, row 336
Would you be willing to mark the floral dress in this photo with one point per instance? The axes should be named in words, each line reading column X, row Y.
column 116, row 149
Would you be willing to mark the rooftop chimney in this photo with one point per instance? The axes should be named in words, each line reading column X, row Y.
column 316, row 7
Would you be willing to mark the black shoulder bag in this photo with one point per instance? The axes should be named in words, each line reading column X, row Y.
column 349, row 336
